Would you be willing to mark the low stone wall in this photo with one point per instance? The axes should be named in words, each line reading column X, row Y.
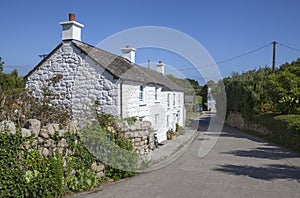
column 49, row 140
column 236, row 120
column 141, row 134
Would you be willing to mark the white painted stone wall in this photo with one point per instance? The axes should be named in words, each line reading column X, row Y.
column 83, row 83
column 155, row 111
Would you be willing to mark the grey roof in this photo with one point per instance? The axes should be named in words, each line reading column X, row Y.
column 122, row 68
column 118, row 66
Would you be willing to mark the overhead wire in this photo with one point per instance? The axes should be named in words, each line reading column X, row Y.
column 292, row 48
column 229, row 59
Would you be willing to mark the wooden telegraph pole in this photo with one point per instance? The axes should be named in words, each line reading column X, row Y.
column 274, row 56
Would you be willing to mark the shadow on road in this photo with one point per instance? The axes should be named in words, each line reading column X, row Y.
column 273, row 153
column 270, row 172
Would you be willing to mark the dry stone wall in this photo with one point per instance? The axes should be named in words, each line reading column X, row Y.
column 50, row 140
column 141, row 134
column 236, row 120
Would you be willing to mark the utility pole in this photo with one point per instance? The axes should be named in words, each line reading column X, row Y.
column 274, row 56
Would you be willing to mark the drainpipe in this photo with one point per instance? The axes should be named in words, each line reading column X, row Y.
column 121, row 99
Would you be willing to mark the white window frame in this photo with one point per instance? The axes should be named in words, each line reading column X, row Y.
column 168, row 100
column 156, row 94
column 168, row 122
column 142, row 94
column 174, row 99
column 156, row 118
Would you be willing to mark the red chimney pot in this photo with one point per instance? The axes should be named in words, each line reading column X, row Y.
column 71, row 17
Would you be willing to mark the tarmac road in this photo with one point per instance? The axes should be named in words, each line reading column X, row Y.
column 239, row 165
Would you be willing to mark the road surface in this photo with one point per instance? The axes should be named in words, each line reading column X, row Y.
column 239, row 165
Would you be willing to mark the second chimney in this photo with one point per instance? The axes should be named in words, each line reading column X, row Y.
column 160, row 67
column 129, row 53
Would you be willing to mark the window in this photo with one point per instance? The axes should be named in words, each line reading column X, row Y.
column 168, row 100
column 168, row 122
column 142, row 93
column 174, row 98
column 141, row 118
column 156, row 94
column 156, row 118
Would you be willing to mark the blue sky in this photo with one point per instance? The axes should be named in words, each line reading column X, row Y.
column 225, row 28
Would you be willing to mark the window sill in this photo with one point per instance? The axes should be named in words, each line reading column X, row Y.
column 142, row 104
column 156, row 101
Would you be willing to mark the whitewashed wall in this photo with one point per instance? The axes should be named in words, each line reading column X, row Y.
column 155, row 111
column 83, row 83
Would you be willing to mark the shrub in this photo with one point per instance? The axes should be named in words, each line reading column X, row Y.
column 24, row 172
column 111, row 147
column 285, row 129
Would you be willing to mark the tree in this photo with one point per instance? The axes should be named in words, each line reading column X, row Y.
column 1, row 65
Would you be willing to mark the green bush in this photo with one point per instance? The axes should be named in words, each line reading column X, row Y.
column 111, row 147
column 285, row 129
column 27, row 173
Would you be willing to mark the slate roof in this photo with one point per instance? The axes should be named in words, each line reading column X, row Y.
column 118, row 66
column 122, row 68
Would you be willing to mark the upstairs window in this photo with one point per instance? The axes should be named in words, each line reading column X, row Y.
column 168, row 100
column 156, row 94
column 142, row 93
column 174, row 98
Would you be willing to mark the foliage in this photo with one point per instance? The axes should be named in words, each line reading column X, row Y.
column 270, row 99
column 131, row 120
column 1, row 65
column 190, row 87
column 18, row 105
column 108, row 143
column 260, row 91
column 27, row 173
column 285, row 129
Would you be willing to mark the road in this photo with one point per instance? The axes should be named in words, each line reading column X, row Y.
column 239, row 165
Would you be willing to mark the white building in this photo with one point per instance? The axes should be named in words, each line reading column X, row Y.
column 86, row 78
column 211, row 102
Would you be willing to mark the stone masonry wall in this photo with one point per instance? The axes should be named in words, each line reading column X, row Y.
column 141, row 134
column 236, row 120
column 77, row 81
column 49, row 140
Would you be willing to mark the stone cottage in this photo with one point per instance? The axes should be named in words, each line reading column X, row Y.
column 86, row 78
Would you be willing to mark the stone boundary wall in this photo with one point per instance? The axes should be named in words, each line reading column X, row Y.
column 237, row 121
column 141, row 134
column 49, row 140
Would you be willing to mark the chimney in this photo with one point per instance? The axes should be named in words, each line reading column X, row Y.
column 160, row 67
column 71, row 29
column 129, row 53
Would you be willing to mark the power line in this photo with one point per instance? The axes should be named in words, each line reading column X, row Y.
column 230, row 59
column 292, row 48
